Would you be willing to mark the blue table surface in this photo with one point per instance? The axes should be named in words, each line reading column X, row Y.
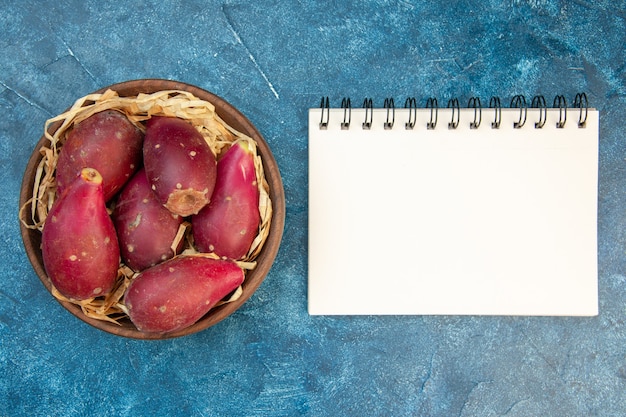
column 273, row 60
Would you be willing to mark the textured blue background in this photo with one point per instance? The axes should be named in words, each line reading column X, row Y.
column 273, row 60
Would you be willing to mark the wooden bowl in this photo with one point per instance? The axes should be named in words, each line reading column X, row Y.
column 231, row 116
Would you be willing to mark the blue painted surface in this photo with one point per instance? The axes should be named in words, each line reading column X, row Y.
column 273, row 60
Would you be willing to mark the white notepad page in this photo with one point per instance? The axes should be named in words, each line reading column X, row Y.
column 453, row 221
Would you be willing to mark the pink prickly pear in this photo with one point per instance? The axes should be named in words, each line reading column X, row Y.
column 180, row 165
column 229, row 224
column 145, row 229
column 79, row 243
column 178, row 292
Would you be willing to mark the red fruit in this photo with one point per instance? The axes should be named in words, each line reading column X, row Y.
column 180, row 165
column 176, row 293
column 145, row 229
column 107, row 142
column 79, row 244
column 229, row 224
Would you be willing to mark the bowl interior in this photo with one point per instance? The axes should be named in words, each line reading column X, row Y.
column 230, row 115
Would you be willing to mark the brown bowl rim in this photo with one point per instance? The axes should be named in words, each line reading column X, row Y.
column 232, row 116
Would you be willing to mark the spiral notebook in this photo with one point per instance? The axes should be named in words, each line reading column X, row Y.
column 477, row 210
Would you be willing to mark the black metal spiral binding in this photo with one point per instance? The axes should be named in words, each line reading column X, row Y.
column 579, row 101
column 453, row 104
column 411, row 104
column 391, row 107
column 561, row 103
column 369, row 110
column 519, row 101
column 325, row 105
column 346, row 105
column 474, row 102
column 494, row 103
column 539, row 102
column 431, row 104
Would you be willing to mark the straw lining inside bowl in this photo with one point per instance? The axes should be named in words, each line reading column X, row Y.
column 171, row 103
